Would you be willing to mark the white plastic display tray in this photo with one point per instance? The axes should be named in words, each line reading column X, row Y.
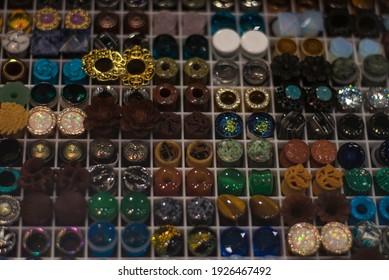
column 277, row 170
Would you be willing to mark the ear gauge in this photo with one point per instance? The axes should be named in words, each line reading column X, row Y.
column 136, row 67
column 139, row 67
column 103, row 65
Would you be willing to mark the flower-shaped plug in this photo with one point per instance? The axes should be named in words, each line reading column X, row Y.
column 103, row 65
column 297, row 208
column 45, row 71
column 296, row 180
column 36, row 176
column 286, row 69
column 102, row 116
column 139, row 68
column 332, row 207
column 327, row 178
column 315, row 70
column 139, row 117
column 73, row 73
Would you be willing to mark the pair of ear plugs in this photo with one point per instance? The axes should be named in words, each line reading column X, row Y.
column 135, row 67
column 227, row 43
column 304, row 239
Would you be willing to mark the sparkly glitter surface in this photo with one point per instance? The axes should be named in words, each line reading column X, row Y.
column 260, row 125
column 233, row 117
column 41, row 122
column 377, row 98
column 323, row 93
column 229, row 125
column 71, row 121
column 202, row 241
column 350, row 98
column 227, row 99
column 293, row 92
column 303, row 239
column 167, row 241
column 336, row 238
column 257, row 99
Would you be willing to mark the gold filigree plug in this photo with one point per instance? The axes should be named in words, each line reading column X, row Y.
column 103, row 65
column 139, row 67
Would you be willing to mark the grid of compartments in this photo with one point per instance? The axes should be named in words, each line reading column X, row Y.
column 249, row 225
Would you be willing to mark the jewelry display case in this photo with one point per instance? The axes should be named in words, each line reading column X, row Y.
column 266, row 120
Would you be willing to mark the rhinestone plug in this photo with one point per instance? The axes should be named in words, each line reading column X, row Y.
column 303, row 239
